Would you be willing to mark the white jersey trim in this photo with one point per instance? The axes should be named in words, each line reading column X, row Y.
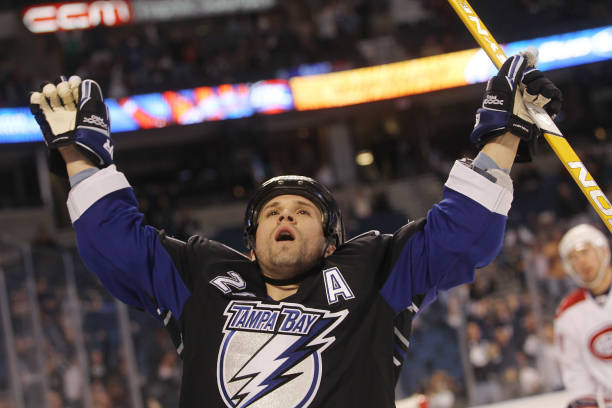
column 493, row 196
column 90, row 190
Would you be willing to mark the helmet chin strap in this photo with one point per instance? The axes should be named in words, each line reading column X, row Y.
column 285, row 282
column 297, row 278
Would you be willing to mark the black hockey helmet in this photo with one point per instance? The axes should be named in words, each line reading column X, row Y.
column 333, row 228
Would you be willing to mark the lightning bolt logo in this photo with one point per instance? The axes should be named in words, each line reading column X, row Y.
column 289, row 354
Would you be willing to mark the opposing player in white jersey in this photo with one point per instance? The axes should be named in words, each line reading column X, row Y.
column 583, row 323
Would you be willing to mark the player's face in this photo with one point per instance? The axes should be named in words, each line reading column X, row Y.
column 586, row 261
column 289, row 238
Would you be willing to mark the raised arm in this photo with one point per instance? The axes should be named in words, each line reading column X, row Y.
column 76, row 161
column 113, row 241
column 465, row 230
column 502, row 149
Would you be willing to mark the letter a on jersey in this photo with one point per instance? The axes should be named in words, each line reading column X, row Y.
column 336, row 286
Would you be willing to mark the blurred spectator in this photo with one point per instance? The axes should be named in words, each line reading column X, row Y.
column 54, row 400
column 441, row 390
column 73, row 383
column 164, row 385
column 99, row 396
column 504, row 360
column 548, row 360
column 117, row 392
column 97, row 366
column 528, row 337
column 530, row 379
column 481, row 354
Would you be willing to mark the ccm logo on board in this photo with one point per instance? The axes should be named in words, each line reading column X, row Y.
column 76, row 16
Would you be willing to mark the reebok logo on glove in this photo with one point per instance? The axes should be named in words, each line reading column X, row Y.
column 96, row 120
column 492, row 100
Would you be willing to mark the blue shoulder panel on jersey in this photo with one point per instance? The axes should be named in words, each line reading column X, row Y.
column 459, row 236
column 127, row 255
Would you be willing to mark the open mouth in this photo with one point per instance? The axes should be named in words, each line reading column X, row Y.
column 284, row 234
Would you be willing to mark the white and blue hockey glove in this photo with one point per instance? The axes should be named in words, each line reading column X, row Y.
column 70, row 112
column 503, row 109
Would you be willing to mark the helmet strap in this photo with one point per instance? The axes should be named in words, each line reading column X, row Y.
column 285, row 282
column 293, row 280
column 298, row 278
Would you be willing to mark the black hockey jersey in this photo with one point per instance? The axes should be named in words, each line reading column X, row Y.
column 331, row 344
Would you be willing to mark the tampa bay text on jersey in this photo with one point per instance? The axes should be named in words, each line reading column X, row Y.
column 290, row 336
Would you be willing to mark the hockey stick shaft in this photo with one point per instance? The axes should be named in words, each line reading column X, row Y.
column 553, row 136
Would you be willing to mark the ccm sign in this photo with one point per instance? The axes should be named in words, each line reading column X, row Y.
column 76, row 16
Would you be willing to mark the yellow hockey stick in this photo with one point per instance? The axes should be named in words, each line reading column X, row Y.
column 552, row 134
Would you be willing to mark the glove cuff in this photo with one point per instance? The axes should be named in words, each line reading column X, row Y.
column 529, row 135
column 64, row 139
column 92, row 155
column 96, row 144
column 521, row 128
column 489, row 124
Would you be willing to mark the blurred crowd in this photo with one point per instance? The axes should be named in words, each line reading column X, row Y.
column 248, row 47
column 408, row 141
column 57, row 366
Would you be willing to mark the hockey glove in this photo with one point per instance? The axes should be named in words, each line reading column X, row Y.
column 503, row 108
column 55, row 111
column 63, row 121
column 541, row 91
column 92, row 134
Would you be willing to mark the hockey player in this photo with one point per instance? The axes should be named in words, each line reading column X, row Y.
column 309, row 319
column 583, row 323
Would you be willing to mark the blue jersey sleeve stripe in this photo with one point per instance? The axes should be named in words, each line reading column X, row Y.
column 460, row 235
column 399, row 351
column 128, row 256
column 466, row 181
column 90, row 190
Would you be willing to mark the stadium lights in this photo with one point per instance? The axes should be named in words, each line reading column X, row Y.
column 328, row 90
column 364, row 158
column 600, row 134
column 444, row 71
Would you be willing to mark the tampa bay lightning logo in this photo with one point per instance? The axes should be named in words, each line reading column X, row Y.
column 270, row 355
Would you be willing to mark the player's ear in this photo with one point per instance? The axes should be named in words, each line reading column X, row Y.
column 329, row 250
column 252, row 255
